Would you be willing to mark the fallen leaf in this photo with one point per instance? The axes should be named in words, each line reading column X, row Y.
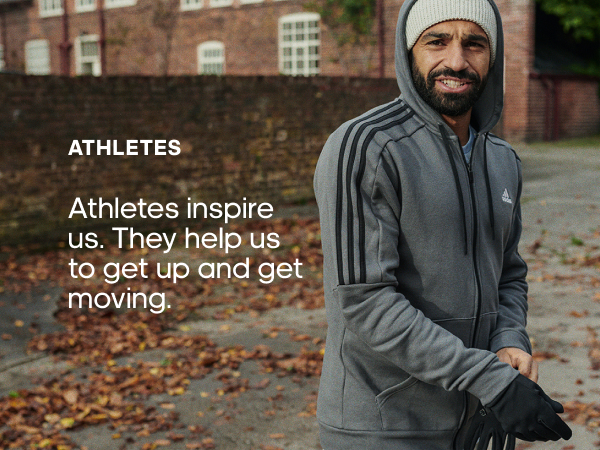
column 67, row 422
column 302, row 337
column 167, row 405
column 70, row 396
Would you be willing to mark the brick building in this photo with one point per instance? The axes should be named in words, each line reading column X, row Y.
column 268, row 37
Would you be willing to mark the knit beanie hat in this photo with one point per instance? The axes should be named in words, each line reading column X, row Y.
column 426, row 13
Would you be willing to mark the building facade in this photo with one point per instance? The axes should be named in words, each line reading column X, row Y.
column 263, row 37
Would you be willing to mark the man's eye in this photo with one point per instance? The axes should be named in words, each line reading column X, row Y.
column 436, row 42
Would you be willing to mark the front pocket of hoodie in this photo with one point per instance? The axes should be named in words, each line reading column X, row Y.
column 416, row 406
column 390, row 392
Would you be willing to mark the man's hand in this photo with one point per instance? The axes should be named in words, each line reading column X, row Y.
column 485, row 430
column 525, row 411
column 519, row 360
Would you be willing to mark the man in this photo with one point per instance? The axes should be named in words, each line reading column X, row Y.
column 420, row 221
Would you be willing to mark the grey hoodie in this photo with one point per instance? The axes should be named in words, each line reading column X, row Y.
column 423, row 280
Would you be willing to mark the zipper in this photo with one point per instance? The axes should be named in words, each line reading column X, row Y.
column 478, row 289
column 474, row 250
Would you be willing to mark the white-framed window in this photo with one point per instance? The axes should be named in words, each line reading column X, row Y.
column 211, row 58
column 118, row 3
column 2, row 64
column 218, row 3
column 188, row 5
column 87, row 55
column 50, row 8
column 85, row 5
column 246, row 2
column 299, row 44
column 37, row 57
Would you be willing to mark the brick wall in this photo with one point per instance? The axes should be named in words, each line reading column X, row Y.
column 135, row 46
column 518, row 18
column 575, row 99
column 541, row 117
column 249, row 33
column 16, row 29
column 579, row 108
column 258, row 137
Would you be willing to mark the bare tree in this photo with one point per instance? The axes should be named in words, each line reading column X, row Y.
column 164, row 17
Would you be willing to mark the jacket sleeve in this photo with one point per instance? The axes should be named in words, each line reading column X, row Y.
column 359, row 207
column 512, row 290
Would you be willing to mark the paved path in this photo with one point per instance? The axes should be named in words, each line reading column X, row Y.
column 561, row 209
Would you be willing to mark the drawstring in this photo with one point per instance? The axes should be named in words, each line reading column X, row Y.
column 489, row 188
column 459, row 188
column 461, row 199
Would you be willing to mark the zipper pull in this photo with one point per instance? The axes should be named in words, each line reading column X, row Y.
column 470, row 172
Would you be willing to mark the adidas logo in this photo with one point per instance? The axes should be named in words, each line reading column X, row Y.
column 506, row 198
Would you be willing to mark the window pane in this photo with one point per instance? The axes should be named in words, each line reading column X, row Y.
column 297, row 57
column 37, row 57
column 89, row 48
column 87, row 68
column 211, row 58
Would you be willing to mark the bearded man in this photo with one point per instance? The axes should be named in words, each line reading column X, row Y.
column 420, row 223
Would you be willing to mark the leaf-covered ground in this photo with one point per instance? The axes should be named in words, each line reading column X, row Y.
column 106, row 384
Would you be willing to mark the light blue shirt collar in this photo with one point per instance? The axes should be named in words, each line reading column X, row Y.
column 468, row 147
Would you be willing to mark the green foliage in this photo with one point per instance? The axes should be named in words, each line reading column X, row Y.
column 576, row 241
column 351, row 24
column 580, row 18
column 357, row 15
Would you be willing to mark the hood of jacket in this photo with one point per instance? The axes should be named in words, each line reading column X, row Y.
column 488, row 108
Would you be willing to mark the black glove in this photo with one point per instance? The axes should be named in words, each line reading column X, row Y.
column 524, row 410
column 484, row 429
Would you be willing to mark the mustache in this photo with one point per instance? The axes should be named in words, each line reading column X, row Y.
column 463, row 74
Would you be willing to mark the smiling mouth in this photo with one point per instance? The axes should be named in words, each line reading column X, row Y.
column 453, row 83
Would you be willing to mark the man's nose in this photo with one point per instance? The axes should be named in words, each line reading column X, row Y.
column 455, row 59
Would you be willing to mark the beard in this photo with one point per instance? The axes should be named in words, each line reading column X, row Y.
column 448, row 104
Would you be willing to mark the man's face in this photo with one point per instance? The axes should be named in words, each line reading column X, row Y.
column 450, row 66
